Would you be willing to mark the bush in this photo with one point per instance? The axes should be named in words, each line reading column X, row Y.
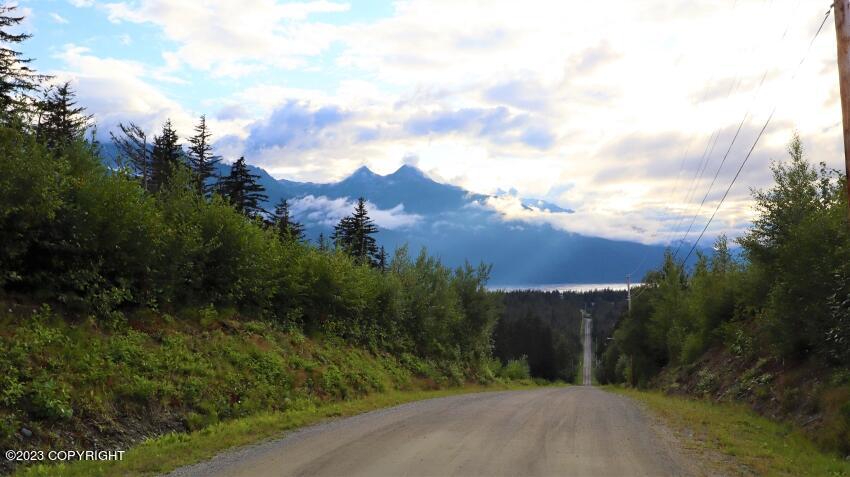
column 516, row 369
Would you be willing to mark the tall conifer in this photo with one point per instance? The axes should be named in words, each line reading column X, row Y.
column 133, row 146
column 354, row 235
column 243, row 190
column 287, row 229
column 201, row 157
column 62, row 121
column 166, row 156
column 17, row 80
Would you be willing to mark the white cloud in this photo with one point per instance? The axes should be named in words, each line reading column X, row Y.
column 322, row 210
column 115, row 91
column 58, row 18
column 233, row 39
column 647, row 226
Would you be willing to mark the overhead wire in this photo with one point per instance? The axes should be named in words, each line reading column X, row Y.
column 758, row 137
column 703, row 162
column 747, row 114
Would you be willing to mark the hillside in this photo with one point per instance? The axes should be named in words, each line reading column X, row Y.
column 81, row 384
column 769, row 328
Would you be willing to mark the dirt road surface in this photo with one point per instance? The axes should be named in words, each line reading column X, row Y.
column 588, row 356
column 564, row 431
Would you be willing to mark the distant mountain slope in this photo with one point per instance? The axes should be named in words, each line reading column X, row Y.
column 455, row 225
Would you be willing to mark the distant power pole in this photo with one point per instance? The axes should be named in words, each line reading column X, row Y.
column 629, row 291
column 842, row 37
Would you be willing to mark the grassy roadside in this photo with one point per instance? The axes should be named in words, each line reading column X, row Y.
column 168, row 452
column 757, row 444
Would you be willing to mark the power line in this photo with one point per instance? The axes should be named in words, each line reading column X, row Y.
column 706, row 159
column 766, row 123
column 699, row 173
column 685, row 155
column 702, row 163
column 755, row 143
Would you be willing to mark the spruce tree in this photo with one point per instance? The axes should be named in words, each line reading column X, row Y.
column 382, row 259
column 62, row 121
column 17, row 80
column 133, row 146
column 354, row 235
column 201, row 158
column 243, row 191
column 323, row 246
column 286, row 228
column 167, row 155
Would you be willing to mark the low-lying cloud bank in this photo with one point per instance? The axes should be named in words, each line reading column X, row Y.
column 326, row 211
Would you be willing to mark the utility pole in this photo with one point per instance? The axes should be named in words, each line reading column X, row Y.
column 842, row 37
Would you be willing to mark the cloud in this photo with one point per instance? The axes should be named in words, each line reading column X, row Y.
column 592, row 58
column 497, row 123
column 58, row 18
column 295, row 125
column 232, row 111
column 115, row 91
column 232, row 39
column 328, row 212
column 646, row 226
column 523, row 94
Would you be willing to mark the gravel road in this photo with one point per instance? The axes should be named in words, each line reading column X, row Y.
column 565, row 431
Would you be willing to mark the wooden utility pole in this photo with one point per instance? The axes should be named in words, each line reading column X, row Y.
column 629, row 291
column 842, row 37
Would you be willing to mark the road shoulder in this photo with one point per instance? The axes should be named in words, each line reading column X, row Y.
column 729, row 439
column 171, row 451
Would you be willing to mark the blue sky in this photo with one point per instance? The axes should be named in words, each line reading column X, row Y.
column 609, row 115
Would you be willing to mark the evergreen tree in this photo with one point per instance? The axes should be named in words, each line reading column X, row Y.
column 287, row 229
column 17, row 79
column 201, row 158
column 166, row 156
column 323, row 246
column 62, row 122
column 133, row 146
column 354, row 234
column 243, row 191
column 382, row 259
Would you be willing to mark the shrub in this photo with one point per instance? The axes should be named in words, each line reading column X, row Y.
column 516, row 369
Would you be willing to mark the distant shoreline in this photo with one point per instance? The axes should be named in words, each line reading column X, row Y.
column 562, row 287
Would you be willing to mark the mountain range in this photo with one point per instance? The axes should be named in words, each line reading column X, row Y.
column 456, row 225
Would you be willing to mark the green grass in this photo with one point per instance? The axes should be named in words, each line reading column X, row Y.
column 217, row 378
column 763, row 446
column 165, row 453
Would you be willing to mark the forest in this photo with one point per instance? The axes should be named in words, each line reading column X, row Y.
column 543, row 327
column 768, row 321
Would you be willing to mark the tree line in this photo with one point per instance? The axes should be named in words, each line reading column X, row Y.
column 543, row 327
column 786, row 296
column 162, row 232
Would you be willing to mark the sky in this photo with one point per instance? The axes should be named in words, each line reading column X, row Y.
column 604, row 108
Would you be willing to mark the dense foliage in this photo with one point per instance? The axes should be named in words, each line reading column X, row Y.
column 156, row 234
column 97, row 242
column 787, row 297
column 544, row 328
